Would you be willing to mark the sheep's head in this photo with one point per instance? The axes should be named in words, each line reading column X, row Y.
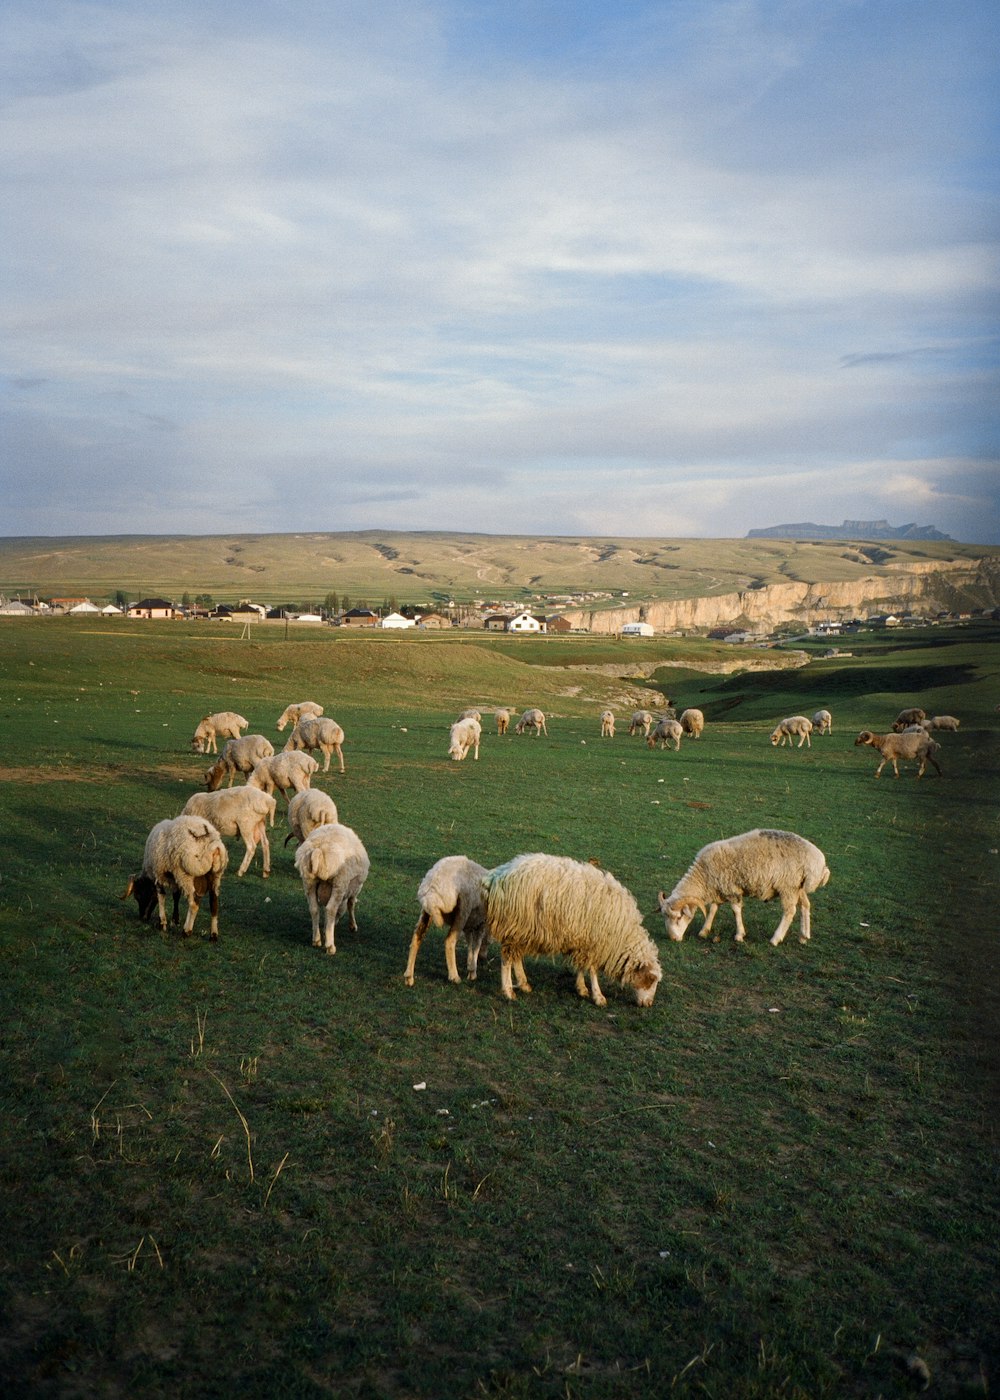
column 143, row 887
column 214, row 776
column 677, row 914
column 865, row 737
column 645, row 979
column 776, row 736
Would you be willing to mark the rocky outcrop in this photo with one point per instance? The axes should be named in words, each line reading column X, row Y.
column 925, row 588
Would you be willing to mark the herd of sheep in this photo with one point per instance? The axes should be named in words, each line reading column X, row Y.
column 535, row 904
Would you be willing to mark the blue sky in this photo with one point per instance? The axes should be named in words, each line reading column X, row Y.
column 559, row 267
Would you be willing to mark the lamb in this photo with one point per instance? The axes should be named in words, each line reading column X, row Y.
column 757, row 864
column 285, row 772
column 948, row 722
column 323, row 734
column 334, row 866
column 226, row 724
column 641, row 722
column 911, row 744
column 238, row 756
column 307, row 810
column 666, row 729
column 293, row 713
column 914, row 715
column 531, row 719
column 186, row 856
column 465, row 735
column 607, row 724
column 822, row 722
column 503, row 720
column 451, row 893
column 788, row 728
column 543, row 904
column 692, row 722
column 242, row 811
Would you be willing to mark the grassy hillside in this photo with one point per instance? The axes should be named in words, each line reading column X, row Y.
column 374, row 565
column 245, row 1167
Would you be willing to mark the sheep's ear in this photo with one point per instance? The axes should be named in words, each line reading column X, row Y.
column 645, row 978
column 661, row 900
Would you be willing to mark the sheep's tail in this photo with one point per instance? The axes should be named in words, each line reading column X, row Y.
column 824, row 877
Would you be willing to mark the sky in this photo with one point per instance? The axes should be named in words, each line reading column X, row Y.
column 656, row 268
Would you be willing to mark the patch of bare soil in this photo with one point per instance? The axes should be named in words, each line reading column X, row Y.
column 50, row 775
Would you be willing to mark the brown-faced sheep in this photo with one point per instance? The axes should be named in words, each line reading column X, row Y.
column 334, row 866
column 284, row 773
column 607, row 724
column 912, row 744
column 531, row 719
column 307, row 810
column 914, row 715
column 788, row 728
column 183, row 855
column 245, row 812
column 540, row 904
column 226, row 724
column 692, row 722
column 465, row 735
column 293, row 713
column 664, row 731
column 323, row 734
column 451, row 894
column 238, row 756
column 755, row 865
column 640, row 723
column 822, row 722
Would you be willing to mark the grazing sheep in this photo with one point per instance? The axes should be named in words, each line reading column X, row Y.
column 943, row 722
column 285, row 773
column 914, row 715
column 607, row 724
column 334, row 866
column 788, row 728
column 238, row 756
column 911, row 744
column 293, row 713
column 307, row 810
column 693, row 723
column 755, row 865
column 471, row 714
column 665, row 730
column 244, row 812
column 504, row 717
column 323, row 734
column 531, row 719
column 640, row 723
column 822, row 722
column 465, row 735
column 186, row 856
column 451, row 893
column 542, row 904
column 224, row 725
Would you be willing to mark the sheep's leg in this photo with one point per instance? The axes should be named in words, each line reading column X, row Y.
column 520, row 976
column 932, row 759
column 326, row 759
column 506, row 986
column 450, row 940
column 581, row 985
column 251, row 849
column 161, row 905
column 415, row 942
column 475, row 756
column 340, row 755
column 741, row 932
column 352, row 922
column 805, row 917
column 330, row 927
column 477, row 943
column 878, row 770
column 190, row 888
column 261, row 834
column 314, row 916
column 789, row 907
column 595, row 988
column 706, row 927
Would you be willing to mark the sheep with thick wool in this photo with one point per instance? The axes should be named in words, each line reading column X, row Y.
column 758, row 864
column 311, row 732
column 245, row 812
column 664, row 731
column 504, row 717
column 464, row 735
column 913, row 715
column 307, row 810
column 531, row 719
column 238, row 756
column 640, row 723
column 788, row 729
column 912, row 745
column 692, row 722
column 183, row 855
column 941, row 722
column 284, row 773
column 334, row 866
column 607, row 724
column 291, row 714
column 539, row 904
column 822, row 722
column 225, row 724
column 451, row 895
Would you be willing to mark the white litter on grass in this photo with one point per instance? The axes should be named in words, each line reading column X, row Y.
column 403, row 729
column 664, row 1253
column 864, row 925
column 774, row 1008
column 444, row 1112
column 421, row 1085
column 655, row 802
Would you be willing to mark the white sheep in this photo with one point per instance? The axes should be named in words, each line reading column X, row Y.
column 184, row 855
column 543, row 904
column 238, row 756
column 284, row 773
column 226, row 724
column 822, row 722
column 471, row 714
column 942, row 722
column 755, row 865
column 307, row 810
column 451, row 894
column 334, row 866
column 465, row 735
column 293, row 713
column 245, row 812
column 323, row 734
column 912, row 744
column 914, row 715
column 664, row 731
column 504, row 717
column 640, row 723
column 531, row 719
column 788, row 728
column 692, row 722
column 607, row 724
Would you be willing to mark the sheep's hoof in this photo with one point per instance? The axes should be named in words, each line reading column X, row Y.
column 408, row 981
column 600, row 1001
column 330, row 952
column 266, row 875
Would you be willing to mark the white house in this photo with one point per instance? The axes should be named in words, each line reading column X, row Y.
column 397, row 620
column 111, row 611
column 526, row 622
column 85, row 607
column 638, row 629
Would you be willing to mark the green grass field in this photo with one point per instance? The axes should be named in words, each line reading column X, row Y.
column 218, row 1177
